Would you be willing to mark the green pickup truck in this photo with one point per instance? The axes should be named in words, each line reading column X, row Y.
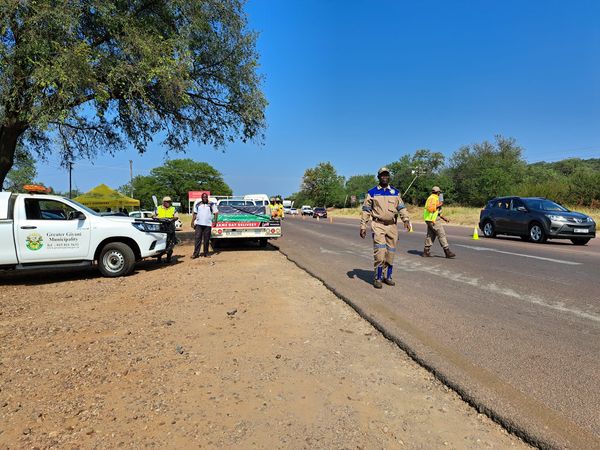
column 243, row 220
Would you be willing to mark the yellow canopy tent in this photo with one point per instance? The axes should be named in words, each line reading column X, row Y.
column 102, row 197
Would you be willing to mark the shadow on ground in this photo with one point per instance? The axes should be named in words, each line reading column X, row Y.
column 361, row 274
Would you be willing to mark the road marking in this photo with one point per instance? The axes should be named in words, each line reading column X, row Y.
column 487, row 249
column 410, row 265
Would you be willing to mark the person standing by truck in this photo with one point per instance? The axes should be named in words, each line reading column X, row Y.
column 279, row 204
column 167, row 211
column 204, row 215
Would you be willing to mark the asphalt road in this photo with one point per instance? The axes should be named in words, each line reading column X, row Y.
column 513, row 326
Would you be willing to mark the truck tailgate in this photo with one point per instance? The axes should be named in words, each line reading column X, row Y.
column 8, row 252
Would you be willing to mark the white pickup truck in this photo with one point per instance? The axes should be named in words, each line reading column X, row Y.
column 39, row 231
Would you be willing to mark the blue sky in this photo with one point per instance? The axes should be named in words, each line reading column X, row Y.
column 360, row 83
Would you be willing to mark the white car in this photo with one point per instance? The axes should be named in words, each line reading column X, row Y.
column 150, row 214
column 306, row 210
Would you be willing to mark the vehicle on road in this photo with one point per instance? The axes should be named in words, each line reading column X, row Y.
column 141, row 214
column 258, row 199
column 243, row 220
column 320, row 212
column 235, row 202
column 535, row 219
column 293, row 211
column 42, row 231
column 150, row 214
column 306, row 210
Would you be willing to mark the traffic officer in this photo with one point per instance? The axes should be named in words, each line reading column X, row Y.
column 433, row 211
column 279, row 203
column 382, row 205
column 167, row 211
column 273, row 208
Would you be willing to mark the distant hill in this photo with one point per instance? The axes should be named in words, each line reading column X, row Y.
column 568, row 166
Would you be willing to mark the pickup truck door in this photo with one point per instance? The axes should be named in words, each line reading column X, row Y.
column 47, row 229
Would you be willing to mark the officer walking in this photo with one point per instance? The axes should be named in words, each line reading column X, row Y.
column 433, row 211
column 383, row 205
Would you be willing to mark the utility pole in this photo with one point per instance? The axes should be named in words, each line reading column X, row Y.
column 416, row 172
column 70, row 163
column 131, row 178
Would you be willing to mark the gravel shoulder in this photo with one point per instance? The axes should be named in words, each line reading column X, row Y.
column 241, row 350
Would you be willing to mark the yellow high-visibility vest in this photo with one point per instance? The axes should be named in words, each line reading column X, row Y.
column 430, row 213
column 165, row 213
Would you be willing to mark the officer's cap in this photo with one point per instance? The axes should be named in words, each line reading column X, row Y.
column 167, row 199
column 383, row 170
column 436, row 189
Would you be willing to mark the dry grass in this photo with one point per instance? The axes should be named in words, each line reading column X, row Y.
column 458, row 215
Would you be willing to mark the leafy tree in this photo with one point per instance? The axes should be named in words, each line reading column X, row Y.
column 486, row 170
column 322, row 186
column 423, row 162
column 358, row 185
column 95, row 75
column 144, row 187
column 23, row 171
column 175, row 178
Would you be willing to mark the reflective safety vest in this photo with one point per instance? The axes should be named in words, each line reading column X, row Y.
column 430, row 213
column 165, row 213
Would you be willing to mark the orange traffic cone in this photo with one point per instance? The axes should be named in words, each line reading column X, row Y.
column 475, row 234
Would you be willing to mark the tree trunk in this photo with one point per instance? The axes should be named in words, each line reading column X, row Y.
column 9, row 135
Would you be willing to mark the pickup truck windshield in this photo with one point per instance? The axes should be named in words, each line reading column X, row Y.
column 79, row 205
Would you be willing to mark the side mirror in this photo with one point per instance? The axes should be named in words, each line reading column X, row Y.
column 522, row 209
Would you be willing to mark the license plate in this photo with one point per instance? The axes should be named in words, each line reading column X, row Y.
column 580, row 230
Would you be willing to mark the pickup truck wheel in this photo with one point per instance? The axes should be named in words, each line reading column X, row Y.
column 116, row 260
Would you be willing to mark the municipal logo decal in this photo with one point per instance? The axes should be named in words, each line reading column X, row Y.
column 34, row 241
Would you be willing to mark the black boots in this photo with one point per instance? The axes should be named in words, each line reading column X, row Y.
column 449, row 253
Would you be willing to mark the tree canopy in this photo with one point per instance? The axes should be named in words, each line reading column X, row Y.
column 176, row 178
column 474, row 174
column 321, row 186
column 23, row 171
column 80, row 77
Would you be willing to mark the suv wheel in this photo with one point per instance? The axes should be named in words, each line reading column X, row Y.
column 488, row 229
column 537, row 233
column 580, row 241
column 116, row 260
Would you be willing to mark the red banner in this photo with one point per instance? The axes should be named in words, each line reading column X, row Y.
column 237, row 225
column 196, row 195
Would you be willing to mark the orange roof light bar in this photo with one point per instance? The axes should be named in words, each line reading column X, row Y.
column 36, row 189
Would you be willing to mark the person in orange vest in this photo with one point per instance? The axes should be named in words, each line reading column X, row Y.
column 435, row 229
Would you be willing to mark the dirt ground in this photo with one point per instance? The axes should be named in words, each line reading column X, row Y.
column 242, row 350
